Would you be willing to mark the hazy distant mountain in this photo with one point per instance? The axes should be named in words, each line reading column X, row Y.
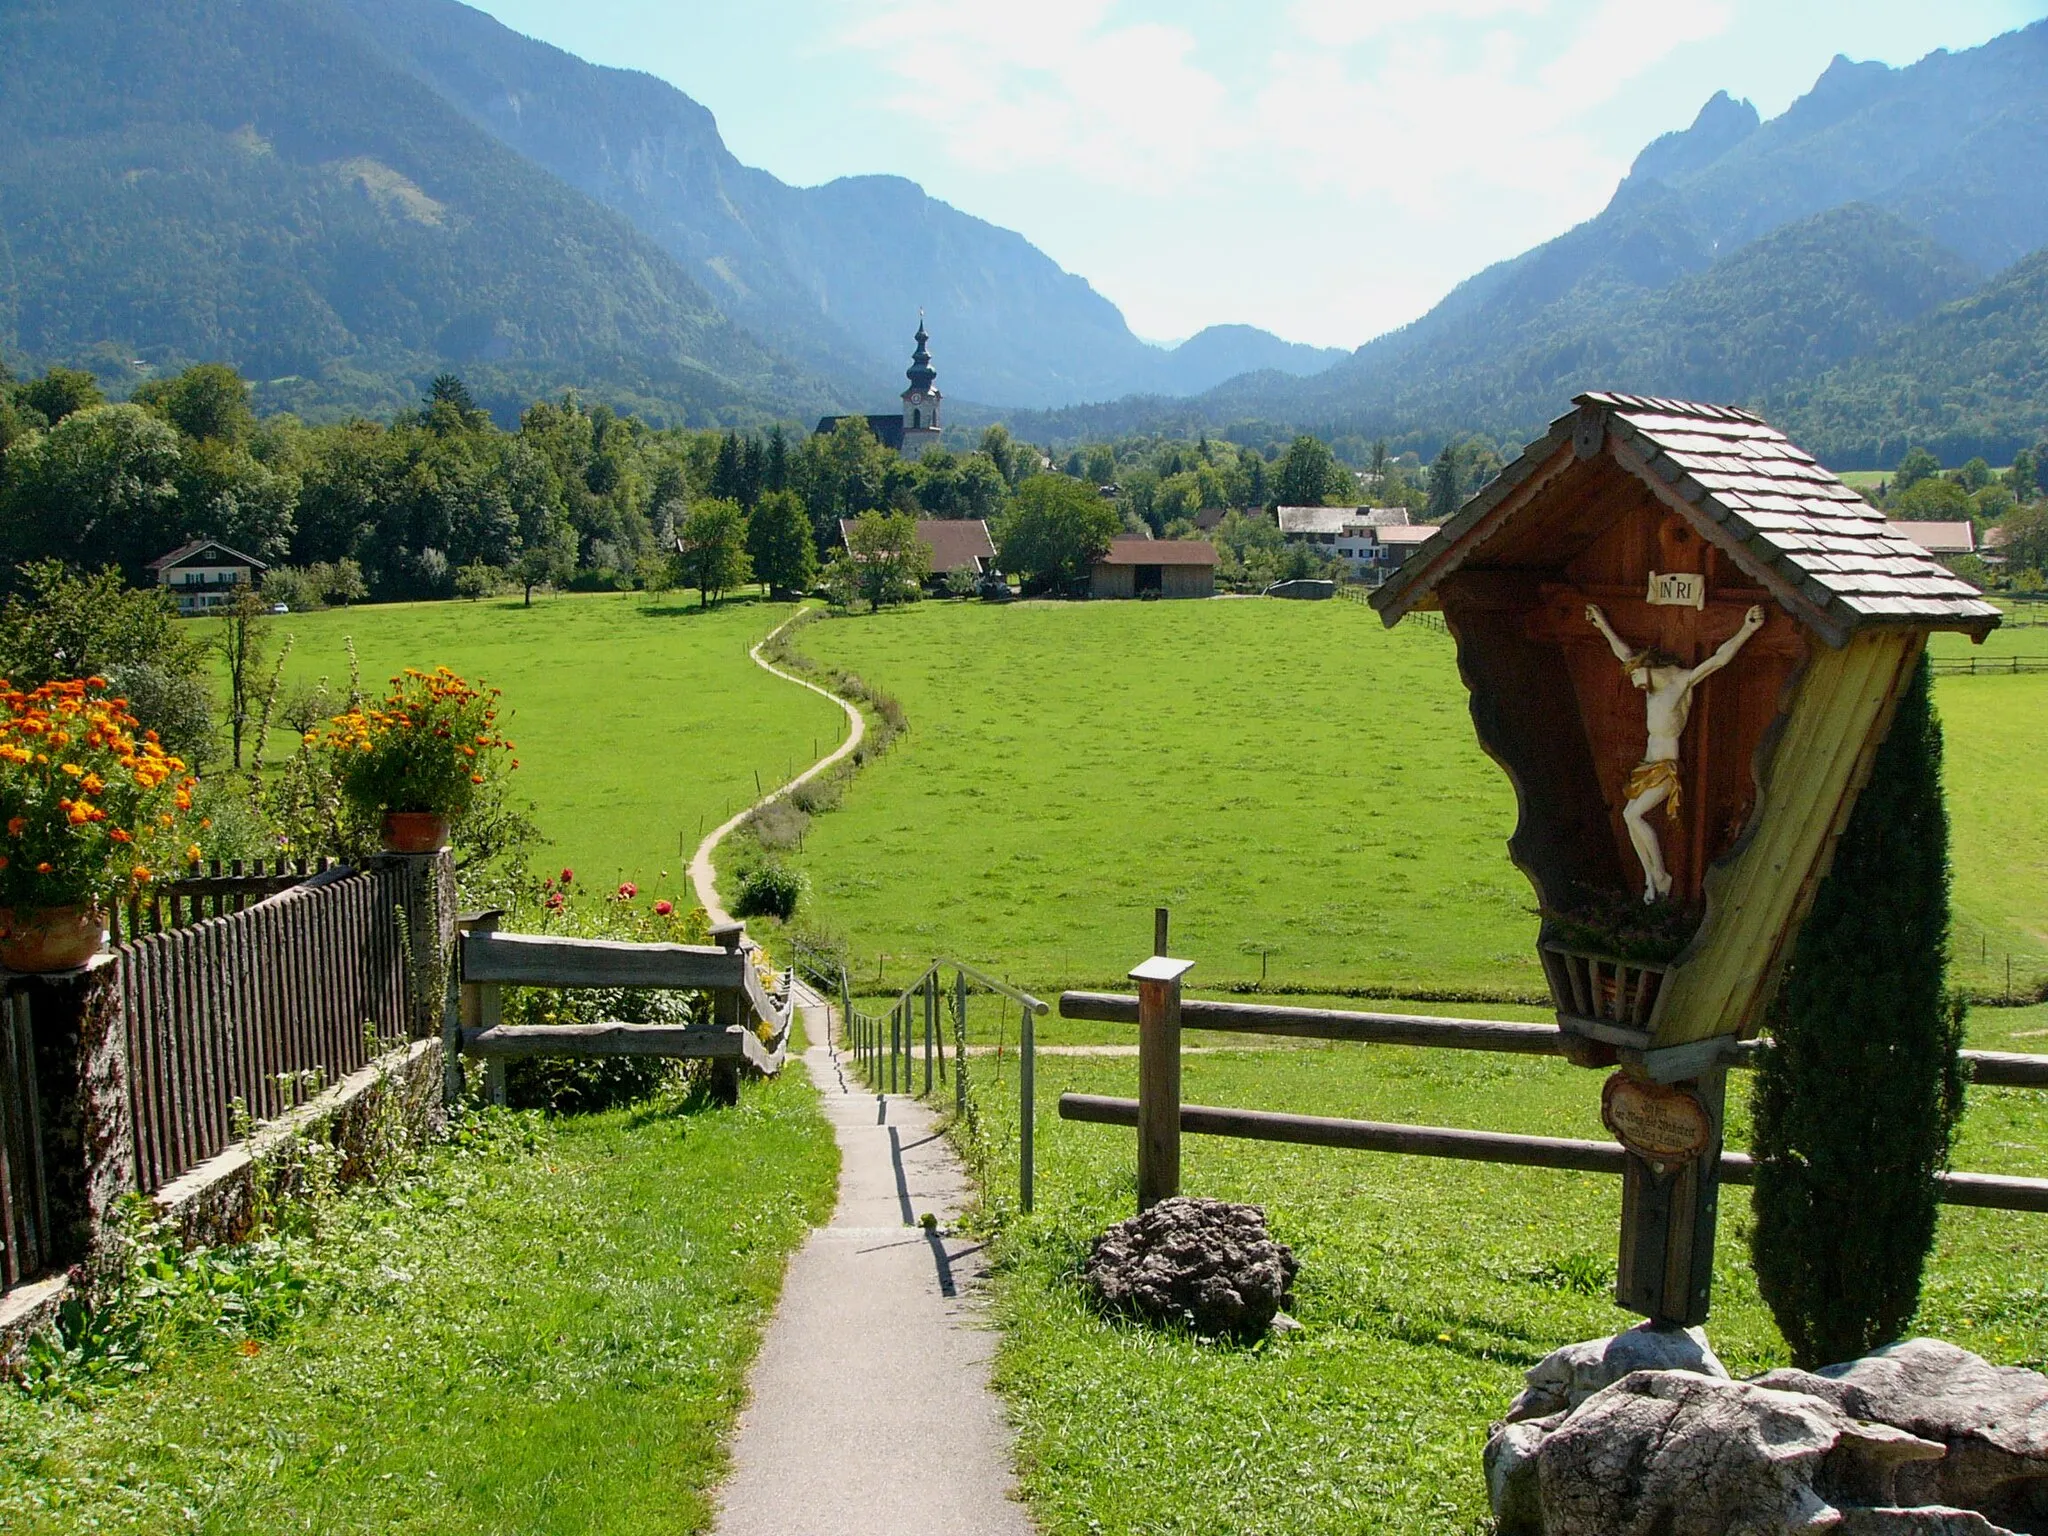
column 203, row 179
column 833, row 275
column 1737, row 257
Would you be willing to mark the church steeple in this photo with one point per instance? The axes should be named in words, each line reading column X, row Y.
column 921, row 373
column 921, row 400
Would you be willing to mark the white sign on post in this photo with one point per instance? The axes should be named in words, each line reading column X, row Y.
column 1678, row 589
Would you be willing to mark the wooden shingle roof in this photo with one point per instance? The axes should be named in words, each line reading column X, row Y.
column 1817, row 546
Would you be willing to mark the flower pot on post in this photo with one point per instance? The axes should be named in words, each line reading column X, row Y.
column 38, row 941
column 414, row 831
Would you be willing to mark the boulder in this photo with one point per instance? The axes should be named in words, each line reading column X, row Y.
column 1993, row 1419
column 1678, row 1453
column 1566, row 1377
column 1205, row 1263
column 1511, row 1474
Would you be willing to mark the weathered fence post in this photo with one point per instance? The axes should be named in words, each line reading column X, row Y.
column 729, row 1006
column 1027, row 1099
column 1158, row 982
column 895, row 1041
column 960, row 1043
column 481, row 1003
column 931, row 1022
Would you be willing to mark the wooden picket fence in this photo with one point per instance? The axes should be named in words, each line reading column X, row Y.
column 225, row 886
column 234, row 1019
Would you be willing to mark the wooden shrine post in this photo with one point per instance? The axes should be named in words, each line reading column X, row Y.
column 1683, row 641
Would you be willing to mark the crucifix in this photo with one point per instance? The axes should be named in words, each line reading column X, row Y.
column 1668, row 688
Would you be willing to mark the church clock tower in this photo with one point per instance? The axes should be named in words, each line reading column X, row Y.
column 921, row 400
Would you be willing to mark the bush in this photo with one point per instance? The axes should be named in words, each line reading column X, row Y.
column 770, row 891
column 1857, row 1102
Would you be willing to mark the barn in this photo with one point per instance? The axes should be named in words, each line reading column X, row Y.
column 1138, row 567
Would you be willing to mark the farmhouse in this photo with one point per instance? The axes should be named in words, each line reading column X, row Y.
column 916, row 427
column 204, row 574
column 1136, row 566
column 955, row 543
column 1353, row 534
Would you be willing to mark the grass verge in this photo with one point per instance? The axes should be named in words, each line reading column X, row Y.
column 544, row 1327
column 1427, row 1287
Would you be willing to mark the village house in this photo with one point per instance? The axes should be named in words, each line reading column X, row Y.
column 1944, row 541
column 1356, row 535
column 205, row 573
column 1137, row 567
column 916, row 427
column 954, row 543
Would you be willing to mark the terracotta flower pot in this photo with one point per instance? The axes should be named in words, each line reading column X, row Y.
column 415, row 832
column 36, row 940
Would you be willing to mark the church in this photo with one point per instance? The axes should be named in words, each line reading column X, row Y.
column 916, row 427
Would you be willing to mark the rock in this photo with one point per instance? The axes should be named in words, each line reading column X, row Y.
column 1992, row 1418
column 1678, row 1453
column 1511, row 1474
column 1922, row 1520
column 1206, row 1263
column 1566, row 1377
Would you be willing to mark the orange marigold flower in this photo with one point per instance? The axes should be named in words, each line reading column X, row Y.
column 192, row 853
column 121, row 836
column 16, row 825
column 142, row 875
column 46, row 867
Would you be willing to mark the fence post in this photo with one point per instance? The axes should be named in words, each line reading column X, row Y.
column 81, row 1115
column 1027, row 1101
column 1158, row 982
column 728, row 1004
column 960, row 1043
column 931, row 1023
column 481, row 1003
column 427, row 894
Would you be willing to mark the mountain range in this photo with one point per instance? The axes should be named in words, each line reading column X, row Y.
column 342, row 197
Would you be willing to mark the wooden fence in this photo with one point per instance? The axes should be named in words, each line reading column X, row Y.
column 886, row 1045
column 748, row 1025
column 1987, row 666
column 1159, row 1116
column 225, row 887
column 235, row 1019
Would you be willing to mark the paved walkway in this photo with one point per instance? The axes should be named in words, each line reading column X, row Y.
column 871, row 1410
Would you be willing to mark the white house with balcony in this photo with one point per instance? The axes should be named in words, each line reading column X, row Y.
column 1364, row 538
column 204, row 574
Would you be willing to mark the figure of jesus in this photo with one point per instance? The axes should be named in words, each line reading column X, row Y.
column 1654, row 781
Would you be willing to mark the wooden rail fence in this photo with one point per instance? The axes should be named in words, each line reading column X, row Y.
column 235, row 1019
column 1159, row 1116
column 1987, row 666
column 749, row 1025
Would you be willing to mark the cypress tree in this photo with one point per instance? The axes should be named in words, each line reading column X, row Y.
column 1857, row 1102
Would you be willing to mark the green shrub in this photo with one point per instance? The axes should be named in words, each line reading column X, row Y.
column 1857, row 1103
column 770, row 891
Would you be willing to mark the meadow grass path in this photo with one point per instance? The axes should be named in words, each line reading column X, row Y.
column 870, row 1409
column 703, row 873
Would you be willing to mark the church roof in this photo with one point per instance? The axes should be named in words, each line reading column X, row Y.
column 1818, row 547
column 921, row 373
column 886, row 425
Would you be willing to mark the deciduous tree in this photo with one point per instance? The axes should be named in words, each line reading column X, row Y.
column 713, row 554
column 779, row 542
column 1055, row 530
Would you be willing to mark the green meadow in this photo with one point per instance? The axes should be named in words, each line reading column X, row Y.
column 1298, row 784
column 640, row 723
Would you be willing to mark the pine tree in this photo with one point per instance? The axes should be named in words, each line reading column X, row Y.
column 1443, row 485
column 1858, row 1099
column 776, row 476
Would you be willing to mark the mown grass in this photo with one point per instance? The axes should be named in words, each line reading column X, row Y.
column 547, row 1332
column 1289, row 778
column 640, row 722
column 1427, row 1287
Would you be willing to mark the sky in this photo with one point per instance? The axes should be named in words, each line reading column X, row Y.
column 1326, row 169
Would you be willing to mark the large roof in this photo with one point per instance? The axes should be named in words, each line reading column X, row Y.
column 1339, row 519
column 1141, row 551
column 957, row 544
column 1955, row 538
column 215, row 552
column 1819, row 548
column 886, row 425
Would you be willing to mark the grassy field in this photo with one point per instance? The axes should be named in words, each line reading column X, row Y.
column 1427, row 1287
column 546, row 1333
column 1293, row 780
column 639, row 722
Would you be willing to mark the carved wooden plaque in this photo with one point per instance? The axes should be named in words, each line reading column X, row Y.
column 1656, row 1121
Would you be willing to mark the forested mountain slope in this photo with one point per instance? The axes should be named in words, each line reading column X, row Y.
column 200, row 179
column 833, row 275
column 1737, row 257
